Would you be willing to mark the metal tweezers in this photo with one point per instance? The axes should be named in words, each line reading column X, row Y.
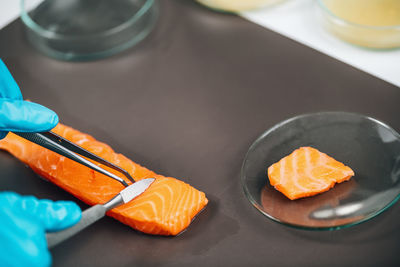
column 68, row 149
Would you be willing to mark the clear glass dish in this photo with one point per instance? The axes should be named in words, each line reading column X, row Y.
column 370, row 36
column 368, row 146
column 87, row 29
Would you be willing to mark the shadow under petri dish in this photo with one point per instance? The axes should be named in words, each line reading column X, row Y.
column 368, row 146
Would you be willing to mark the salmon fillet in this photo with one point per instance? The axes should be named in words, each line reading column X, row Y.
column 307, row 172
column 167, row 207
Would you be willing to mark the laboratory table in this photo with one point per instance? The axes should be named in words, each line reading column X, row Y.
column 187, row 102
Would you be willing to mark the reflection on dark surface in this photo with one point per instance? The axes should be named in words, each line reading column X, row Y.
column 366, row 206
column 299, row 211
column 395, row 173
column 385, row 134
column 357, row 209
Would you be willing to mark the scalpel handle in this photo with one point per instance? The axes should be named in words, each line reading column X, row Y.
column 89, row 216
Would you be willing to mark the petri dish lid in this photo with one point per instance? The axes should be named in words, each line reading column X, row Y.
column 368, row 146
column 87, row 29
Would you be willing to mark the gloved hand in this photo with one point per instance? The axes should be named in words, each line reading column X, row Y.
column 19, row 115
column 24, row 220
column 23, row 223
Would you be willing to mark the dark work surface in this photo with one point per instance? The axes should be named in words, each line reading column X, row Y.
column 187, row 102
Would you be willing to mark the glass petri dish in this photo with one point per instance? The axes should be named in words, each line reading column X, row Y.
column 368, row 146
column 371, row 29
column 87, row 29
column 235, row 6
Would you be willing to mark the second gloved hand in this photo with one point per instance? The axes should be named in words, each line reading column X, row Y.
column 19, row 115
column 23, row 223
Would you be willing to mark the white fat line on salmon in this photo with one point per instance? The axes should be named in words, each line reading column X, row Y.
column 309, row 168
column 296, row 175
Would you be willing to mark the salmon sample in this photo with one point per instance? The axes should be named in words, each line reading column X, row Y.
column 166, row 208
column 307, row 172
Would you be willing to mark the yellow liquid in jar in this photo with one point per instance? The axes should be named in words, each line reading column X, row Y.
column 367, row 12
column 237, row 5
column 370, row 23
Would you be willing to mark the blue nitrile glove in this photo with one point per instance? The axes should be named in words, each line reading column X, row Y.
column 18, row 115
column 23, row 223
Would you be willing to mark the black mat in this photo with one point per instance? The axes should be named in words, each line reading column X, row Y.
column 187, row 102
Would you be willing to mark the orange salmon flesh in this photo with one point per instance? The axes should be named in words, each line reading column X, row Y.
column 307, row 172
column 167, row 207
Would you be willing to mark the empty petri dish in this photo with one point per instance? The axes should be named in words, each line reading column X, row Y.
column 87, row 29
column 367, row 145
column 366, row 23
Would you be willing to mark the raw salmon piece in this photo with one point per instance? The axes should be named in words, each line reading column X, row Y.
column 307, row 172
column 166, row 208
